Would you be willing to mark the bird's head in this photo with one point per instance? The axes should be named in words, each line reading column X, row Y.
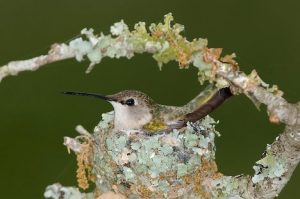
column 133, row 109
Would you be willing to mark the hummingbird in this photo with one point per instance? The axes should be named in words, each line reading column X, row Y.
column 135, row 110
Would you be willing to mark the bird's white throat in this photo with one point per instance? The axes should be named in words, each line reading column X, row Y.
column 130, row 117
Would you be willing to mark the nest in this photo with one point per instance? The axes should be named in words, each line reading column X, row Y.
column 162, row 165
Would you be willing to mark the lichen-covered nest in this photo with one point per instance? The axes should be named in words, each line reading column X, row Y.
column 165, row 165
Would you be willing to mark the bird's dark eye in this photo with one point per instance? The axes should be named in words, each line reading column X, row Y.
column 129, row 102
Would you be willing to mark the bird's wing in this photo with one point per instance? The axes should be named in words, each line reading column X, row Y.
column 217, row 99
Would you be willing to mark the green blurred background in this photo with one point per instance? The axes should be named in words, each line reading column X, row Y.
column 35, row 116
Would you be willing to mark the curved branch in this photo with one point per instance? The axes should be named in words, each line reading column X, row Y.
column 57, row 52
column 279, row 109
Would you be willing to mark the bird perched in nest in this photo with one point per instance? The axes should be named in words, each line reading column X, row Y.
column 134, row 110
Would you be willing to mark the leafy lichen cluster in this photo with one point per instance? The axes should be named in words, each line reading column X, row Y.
column 270, row 166
column 163, row 40
column 160, row 165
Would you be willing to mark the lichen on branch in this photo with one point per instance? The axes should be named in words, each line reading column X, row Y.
column 163, row 40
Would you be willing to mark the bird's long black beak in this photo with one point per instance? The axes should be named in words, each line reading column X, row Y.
column 107, row 98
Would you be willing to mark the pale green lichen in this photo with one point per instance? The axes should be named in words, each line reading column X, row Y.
column 128, row 173
column 57, row 191
column 80, row 47
column 270, row 166
column 191, row 140
column 118, row 28
column 106, row 119
column 230, row 187
column 203, row 67
column 182, row 170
